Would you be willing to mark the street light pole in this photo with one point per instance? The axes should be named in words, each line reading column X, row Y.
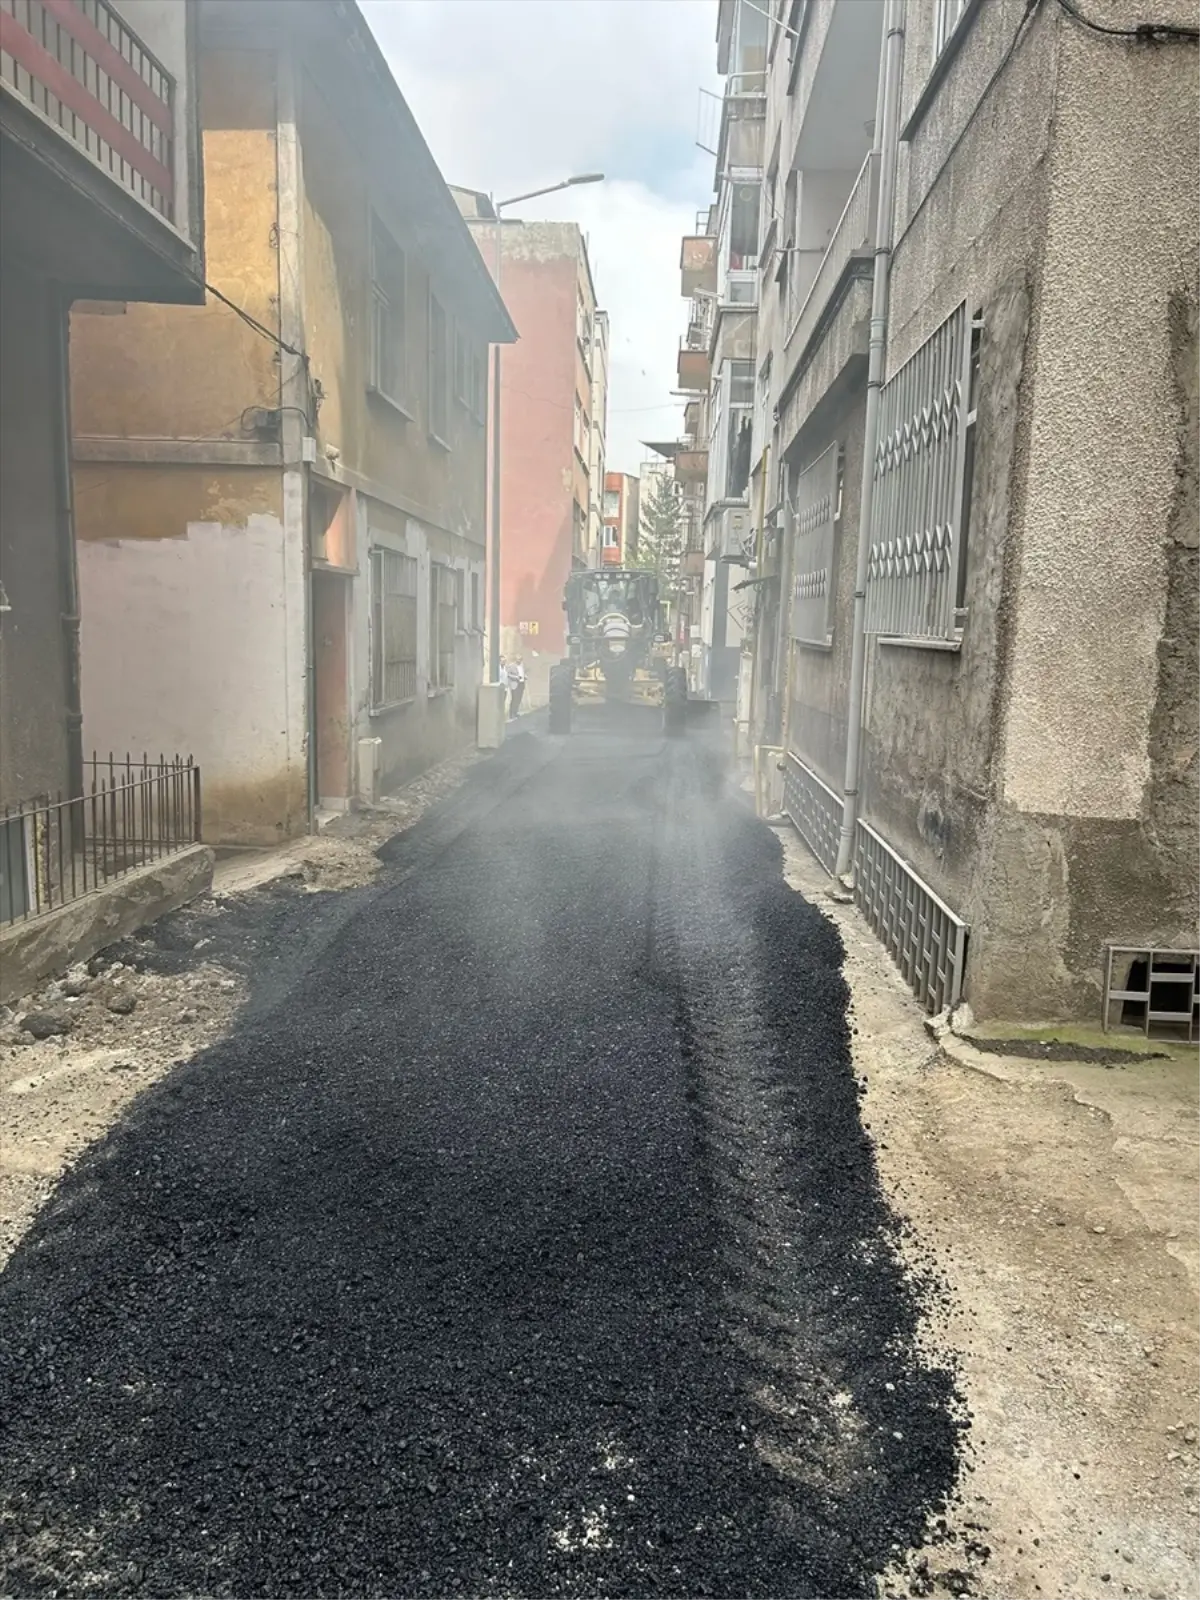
column 494, row 531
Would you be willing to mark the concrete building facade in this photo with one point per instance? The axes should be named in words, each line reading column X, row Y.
column 598, row 443
column 280, row 495
column 546, row 425
column 1029, row 762
column 100, row 206
column 620, row 519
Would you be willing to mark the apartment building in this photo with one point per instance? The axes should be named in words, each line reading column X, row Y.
column 1005, row 759
column 620, row 519
column 280, row 494
column 597, row 479
column 100, row 201
column 545, row 424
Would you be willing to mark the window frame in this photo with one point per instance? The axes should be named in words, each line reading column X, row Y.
column 389, row 300
column 439, row 374
column 379, row 557
column 441, row 599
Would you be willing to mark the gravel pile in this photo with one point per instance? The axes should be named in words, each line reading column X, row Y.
column 522, row 1239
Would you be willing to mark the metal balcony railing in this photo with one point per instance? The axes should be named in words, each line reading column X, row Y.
column 854, row 236
column 85, row 72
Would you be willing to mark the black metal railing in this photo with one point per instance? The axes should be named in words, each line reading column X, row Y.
column 130, row 814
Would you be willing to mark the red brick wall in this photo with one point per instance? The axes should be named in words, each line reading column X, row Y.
column 537, row 419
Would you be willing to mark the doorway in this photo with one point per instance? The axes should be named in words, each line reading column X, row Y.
column 331, row 690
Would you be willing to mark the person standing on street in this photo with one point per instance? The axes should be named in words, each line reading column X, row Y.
column 503, row 680
column 515, row 675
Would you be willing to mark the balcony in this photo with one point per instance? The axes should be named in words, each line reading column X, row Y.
column 847, row 256
column 80, row 68
column 694, row 369
column 691, row 464
column 691, row 418
column 698, row 265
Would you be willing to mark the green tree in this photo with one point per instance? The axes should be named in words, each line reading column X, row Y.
column 660, row 532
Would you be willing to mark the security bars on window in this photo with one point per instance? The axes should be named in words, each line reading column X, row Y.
column 814, row 809
column 813, row 511
column 393, row 628
column 920, row 469
column 920, row 932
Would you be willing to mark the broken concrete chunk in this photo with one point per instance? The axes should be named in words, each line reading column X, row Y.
column 45, row 1024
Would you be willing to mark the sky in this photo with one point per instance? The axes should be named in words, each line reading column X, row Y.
column 515, row 94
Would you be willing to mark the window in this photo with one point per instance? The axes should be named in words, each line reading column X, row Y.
column 582, row 429
column 460, row 601
column 442, row 622
column 612, row 502
column 462, row 368
column 611, row 538
column 439, row 373
column 389, row 349
column 949, row 15
column 479, row 374
column 741, row 383
column 578, row 523
column 393, row 628
column 743, row 227
column 476, row 605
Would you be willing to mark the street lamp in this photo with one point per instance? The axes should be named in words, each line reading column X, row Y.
column 494, row 542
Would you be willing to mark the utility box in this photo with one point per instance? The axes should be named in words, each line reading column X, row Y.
column 489, row 720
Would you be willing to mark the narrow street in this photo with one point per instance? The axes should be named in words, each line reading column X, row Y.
column 521, row 1238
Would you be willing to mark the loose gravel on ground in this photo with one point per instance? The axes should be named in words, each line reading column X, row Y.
column 523, row 1238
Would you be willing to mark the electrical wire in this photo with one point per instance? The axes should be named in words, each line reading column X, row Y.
column 1149, row 32
column 253, row 322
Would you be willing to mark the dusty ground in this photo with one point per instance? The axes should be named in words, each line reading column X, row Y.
column 59, row 1093
column 1061, row 1201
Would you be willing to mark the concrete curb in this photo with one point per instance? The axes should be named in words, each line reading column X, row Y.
column 33, row 951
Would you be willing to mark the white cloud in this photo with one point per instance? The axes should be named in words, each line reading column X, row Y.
column 514, row 94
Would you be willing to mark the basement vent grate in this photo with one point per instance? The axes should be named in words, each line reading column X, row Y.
column 814, row 809
column 920, row 932
column 1160, row 991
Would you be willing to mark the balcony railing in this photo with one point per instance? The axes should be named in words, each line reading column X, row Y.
column 81, row 69
column 695, row 370
column 853, row 238
column 691, row 464
column 698, row 264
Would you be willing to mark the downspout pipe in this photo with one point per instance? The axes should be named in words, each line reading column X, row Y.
column 887, row 138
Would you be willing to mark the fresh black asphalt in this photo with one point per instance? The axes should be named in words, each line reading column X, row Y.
column 522, row 1239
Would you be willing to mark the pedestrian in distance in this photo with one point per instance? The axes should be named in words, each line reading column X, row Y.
column 503, row 680
column 515, row 673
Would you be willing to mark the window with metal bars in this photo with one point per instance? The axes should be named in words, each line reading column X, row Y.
column 393, row 628
column 916, row 570
column 443, row 622
column 389, row 350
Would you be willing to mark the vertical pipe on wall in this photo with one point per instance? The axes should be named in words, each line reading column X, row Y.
column 58, row 313
column 494, row 529
column 887, row 142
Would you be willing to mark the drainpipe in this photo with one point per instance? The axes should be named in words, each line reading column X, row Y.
column 60, row 334
column 887, row 142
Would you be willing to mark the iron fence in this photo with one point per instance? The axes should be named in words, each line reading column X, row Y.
column 925, row 939
column 814, row 809
column 131, row 813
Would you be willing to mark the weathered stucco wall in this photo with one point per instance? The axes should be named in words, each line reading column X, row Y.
column 189, row 372
column 435, row 723
column 33, row 680
column 194, row 641
column 392, row 448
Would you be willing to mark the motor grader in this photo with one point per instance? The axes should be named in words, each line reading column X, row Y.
column 619, row 651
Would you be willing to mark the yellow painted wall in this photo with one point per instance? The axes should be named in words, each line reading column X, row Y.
column 190, row 371
column 371, row 436
column 128, row 501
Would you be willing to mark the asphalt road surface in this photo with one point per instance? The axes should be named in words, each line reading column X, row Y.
column 523, row 1239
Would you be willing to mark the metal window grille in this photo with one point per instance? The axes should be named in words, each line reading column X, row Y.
column 130, row 814
column 920, row 472
column 813, row 511
column 814, row 809
column 925, row 939
column 393, row 628
column 442, row 622
column 1160, row 990
column 388, row 314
